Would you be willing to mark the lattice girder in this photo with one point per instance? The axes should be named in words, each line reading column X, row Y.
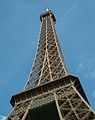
column 71, row 105
column 49, row 81
column 48, row 55
column 19, row 110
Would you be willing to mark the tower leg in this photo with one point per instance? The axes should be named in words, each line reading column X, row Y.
column 19, row 111
column 71, row 105
column 58, row 108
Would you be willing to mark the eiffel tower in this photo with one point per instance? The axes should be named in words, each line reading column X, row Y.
column 50, row 93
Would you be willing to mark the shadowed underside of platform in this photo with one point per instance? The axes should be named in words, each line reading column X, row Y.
column 45, row 112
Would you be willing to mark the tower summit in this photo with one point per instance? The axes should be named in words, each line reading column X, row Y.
column 50, row 92
column 47, row 13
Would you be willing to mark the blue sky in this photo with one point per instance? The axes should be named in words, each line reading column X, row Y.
column 19, row 29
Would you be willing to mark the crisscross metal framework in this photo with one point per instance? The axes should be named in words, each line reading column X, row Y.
column 49, row 63
column 50, row 82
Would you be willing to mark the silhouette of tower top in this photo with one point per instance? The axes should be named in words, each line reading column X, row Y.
column 50, row 92
column 47, row 13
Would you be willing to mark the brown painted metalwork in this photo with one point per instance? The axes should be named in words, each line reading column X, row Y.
column 50, row 82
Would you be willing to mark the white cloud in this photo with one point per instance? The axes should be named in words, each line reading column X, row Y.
column 2, row 117
column 72, row 7
column 94, row 93
column 87, row 68
column 80, row 67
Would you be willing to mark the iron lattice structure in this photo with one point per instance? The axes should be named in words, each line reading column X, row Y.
column 49, row 63
column 49, row 83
